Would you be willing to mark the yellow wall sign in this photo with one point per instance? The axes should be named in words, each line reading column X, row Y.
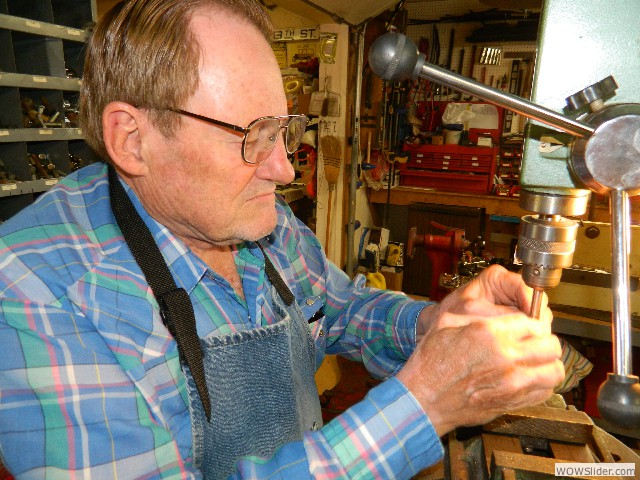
column 280, row 50
column 301, row 52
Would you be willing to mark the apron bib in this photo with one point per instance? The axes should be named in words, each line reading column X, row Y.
column 263, row 392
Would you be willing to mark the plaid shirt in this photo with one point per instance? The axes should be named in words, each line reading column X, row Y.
column 90, row 379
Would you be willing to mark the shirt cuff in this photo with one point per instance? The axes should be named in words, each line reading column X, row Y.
column 387, row 435
column 405, row 326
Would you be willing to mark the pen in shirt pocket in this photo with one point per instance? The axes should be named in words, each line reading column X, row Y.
column 316, row 316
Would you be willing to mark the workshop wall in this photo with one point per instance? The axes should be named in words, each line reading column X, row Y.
column 470, row 38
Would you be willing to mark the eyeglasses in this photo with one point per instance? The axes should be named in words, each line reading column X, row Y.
column 261, row 134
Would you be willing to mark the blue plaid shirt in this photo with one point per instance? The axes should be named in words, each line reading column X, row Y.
column 90, row 379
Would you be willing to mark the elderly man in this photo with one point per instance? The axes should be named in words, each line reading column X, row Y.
column 163, row 312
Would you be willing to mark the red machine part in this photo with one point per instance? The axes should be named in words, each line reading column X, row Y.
column 443, row 251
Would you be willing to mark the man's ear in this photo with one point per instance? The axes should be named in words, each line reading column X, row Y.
column 121, row 124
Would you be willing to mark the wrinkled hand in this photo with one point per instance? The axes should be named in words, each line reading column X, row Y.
column 479, row 355
column 494, row 293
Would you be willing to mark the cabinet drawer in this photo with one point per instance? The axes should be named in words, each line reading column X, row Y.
column 476, row 162
column 418, row 160
column 443, row 164
column 446, row 157
column 445, row 161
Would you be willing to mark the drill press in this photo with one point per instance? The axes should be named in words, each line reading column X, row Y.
column 600, row 143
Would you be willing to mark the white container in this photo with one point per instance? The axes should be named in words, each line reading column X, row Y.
column 452, row 137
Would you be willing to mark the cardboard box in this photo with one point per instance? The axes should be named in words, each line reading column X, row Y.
column 304, row 99
column 298, row 104
column 393, row 278
column 376, row 236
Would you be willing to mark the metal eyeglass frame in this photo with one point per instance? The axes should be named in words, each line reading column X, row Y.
column 245, row 130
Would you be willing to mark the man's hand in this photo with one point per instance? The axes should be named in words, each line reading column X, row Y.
column 479, row 355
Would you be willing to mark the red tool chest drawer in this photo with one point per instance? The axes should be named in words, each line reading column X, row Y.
column 476, row 163
column 446, row 161
column 419, row 159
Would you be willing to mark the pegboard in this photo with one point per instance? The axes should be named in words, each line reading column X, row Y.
column 462, row 53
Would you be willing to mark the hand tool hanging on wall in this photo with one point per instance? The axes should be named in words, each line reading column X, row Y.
column 452, row 35
column 460, row 67
column 332, row 160
column 382, row 113
column 472, row 62
column 434, row 55
column 325, row 103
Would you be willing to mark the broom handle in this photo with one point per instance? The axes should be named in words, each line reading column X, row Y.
column 326, row 248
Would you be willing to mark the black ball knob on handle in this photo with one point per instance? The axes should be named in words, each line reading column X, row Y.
column 619, row 400
column 395, row 57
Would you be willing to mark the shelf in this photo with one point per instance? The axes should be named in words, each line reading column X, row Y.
column 40, row 134
column 26, row 187
column 43, row 43
column 36, row 27
column 44, row 82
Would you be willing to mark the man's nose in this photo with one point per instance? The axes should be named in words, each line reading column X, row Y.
column 277, row 166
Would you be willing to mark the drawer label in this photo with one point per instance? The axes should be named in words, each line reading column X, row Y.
column 6, row 188
column 50, row 182
column 45, row 131
column 39, row 79
column 4, row 133
column 32, row 24
column 73, row 31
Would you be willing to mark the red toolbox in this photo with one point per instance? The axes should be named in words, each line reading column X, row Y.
column 450, row 167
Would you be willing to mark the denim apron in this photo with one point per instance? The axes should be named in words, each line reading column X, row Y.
column 259, row 384
column 262, row 389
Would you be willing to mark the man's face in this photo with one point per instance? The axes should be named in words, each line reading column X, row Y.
column 198, row 184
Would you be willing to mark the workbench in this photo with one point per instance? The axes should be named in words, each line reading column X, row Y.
column 493, row 204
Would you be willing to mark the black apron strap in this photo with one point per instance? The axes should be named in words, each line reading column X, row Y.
column 276, row 280
column 175, row 305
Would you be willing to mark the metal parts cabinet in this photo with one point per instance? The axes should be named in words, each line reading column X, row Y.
column 41, row 41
